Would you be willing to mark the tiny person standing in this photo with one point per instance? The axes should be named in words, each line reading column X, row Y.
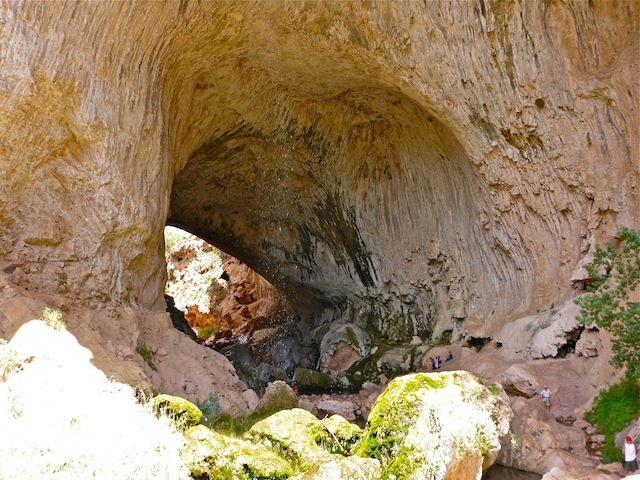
column 546, row 397
column 629, row 452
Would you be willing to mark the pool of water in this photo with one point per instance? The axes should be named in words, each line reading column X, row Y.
column 498, row 472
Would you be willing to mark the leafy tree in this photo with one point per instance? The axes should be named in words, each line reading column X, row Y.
column 613, row 303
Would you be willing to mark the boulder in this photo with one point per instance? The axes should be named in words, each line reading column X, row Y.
column 340, row 434
column 278, row 396
column 449, row 418
column 343, row 468
column 182, row 411
column 396, row 360
column 296, row 433
column 589, row 343
column 210, row 455
column 266, row 372
column 311, row 379
column 632, row 430
column 521, row 380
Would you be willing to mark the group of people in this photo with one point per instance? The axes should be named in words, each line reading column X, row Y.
column 437, row 362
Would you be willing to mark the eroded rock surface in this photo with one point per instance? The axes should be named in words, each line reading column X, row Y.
column 407, row 165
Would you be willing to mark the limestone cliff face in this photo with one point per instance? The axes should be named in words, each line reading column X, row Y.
column 417, row 166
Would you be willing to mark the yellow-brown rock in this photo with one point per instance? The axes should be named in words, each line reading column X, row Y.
column 432, row 164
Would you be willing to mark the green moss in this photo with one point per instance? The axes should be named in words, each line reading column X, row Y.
column 210, row 455
column 183, row 412
column 237, row 426
column 339, row 435
column 614, row 409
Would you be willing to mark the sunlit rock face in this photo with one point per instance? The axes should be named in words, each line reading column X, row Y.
column 414, row 167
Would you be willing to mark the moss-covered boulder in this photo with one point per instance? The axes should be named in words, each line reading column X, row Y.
column 211, row 456
column 312, row 379
column 278, row 396
column 295, row 434
column 340, row 435
column 343, row 468
column 439, row 426
column 185, row 413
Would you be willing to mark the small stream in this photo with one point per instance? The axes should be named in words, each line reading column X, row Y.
column 498, row 472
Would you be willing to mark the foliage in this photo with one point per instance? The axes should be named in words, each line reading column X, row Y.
column 147, row 355
column 53, row 318
column 206, row 332
column 613, row 409
column 616, row 274
column 210, row 409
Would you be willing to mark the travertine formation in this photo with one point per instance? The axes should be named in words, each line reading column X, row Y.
column 414, row 167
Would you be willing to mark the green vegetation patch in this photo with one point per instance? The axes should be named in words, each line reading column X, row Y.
column 210, row 455
column 206, row 332
column 184, row 413
column 613, row 410
column 53, row 318
column 615, row 275
column 147, row 355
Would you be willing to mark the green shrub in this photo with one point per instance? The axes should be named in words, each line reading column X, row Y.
column 210, row 409
column 614, row 409
column 147, row 355
column 206, row 332
column 53, row 318
column 611, row 303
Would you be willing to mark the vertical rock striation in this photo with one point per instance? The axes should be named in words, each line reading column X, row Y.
column 414, row 167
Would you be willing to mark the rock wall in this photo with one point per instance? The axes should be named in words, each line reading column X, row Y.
column 412, row 166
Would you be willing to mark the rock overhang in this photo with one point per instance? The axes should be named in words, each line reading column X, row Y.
column 424, row 181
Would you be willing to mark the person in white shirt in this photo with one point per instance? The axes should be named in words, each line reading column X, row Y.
column 545, row 393
column 630, row 459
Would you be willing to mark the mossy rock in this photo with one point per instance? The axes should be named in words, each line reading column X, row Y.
column 210, row 455
column 295, row 434
column 340, row 435
column 182, row 411
column 343, row 468
column 278, row 396
column 312, row 379
column 449, row 418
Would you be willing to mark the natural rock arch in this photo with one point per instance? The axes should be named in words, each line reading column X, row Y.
column 421, row 163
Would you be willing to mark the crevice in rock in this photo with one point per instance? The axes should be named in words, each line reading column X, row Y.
column 569, row 347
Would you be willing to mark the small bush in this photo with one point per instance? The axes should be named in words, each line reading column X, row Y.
column 210, row 409
column 53, row 318
column 147, row 355
column 614, row 409
column 206, row 332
